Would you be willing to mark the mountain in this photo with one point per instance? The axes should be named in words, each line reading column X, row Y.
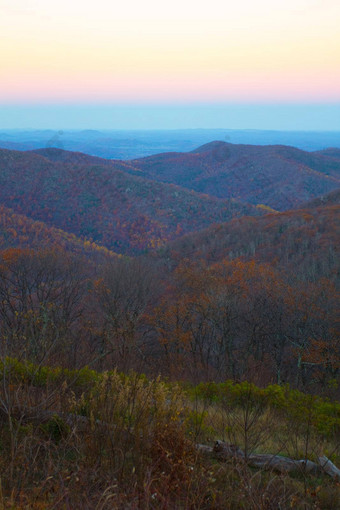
column 302, row 242
column 79, row 158
column 280, row 177
column 96, row 200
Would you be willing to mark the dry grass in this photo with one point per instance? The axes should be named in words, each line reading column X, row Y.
column 131, row 445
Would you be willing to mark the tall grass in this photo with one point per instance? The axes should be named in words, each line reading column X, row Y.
column 108, row 440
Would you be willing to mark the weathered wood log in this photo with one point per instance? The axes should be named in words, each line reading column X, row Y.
column 224, row 451
column 206, row 450
column 329, row 468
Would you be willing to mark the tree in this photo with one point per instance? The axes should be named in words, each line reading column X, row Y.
column 41, row 295
column 124, row 290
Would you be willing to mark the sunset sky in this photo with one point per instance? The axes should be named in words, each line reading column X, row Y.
column 153, row 54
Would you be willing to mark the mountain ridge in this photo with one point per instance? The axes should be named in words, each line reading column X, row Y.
column 101, row 202
column 281, row 177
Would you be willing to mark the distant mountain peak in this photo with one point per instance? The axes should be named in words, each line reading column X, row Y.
column 211, row 146
column 279, row 176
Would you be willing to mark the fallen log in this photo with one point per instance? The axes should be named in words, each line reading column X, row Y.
column 206, row 450
column 224, row 451
column 329, row 468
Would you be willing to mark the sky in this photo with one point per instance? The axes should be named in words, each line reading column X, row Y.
column 214, row 61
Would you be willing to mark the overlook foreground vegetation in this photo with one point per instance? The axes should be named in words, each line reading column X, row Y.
column 139, row 319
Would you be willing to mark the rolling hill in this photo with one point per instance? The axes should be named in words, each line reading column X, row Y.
column 280, row 177
column 98, row 201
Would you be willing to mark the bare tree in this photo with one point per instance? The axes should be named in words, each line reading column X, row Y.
column 41, row 297
column 124, row 291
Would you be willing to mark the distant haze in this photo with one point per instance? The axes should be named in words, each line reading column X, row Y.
column 280, row 116
column 188, row 64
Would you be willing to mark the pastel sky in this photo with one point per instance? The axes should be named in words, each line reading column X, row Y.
column 176, row 52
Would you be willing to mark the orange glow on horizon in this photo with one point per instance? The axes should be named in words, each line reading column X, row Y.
column 289, row 51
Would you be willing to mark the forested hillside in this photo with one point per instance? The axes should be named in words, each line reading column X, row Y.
column 162, row 348
column 125, row 213
column 18, row 231
column 190, row 307
column 303, row 242
column 277, row 176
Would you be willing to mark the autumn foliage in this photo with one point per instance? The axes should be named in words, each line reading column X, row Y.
column 137, row 318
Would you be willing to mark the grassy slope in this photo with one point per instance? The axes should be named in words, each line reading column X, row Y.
column 129, row 428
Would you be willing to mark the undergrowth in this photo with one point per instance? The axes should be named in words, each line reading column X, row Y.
column 84, row 439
